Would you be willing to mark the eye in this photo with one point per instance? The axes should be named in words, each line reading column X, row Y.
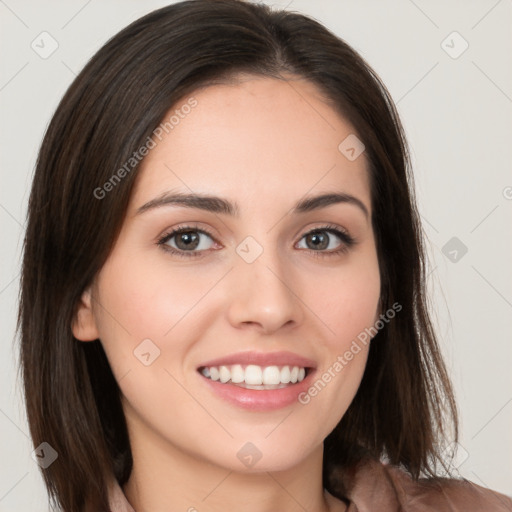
column 324, row 238
column 188, row 239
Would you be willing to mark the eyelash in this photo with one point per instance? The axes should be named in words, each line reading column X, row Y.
column 347, row 241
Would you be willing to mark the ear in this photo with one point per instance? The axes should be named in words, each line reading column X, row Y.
column 84, row 324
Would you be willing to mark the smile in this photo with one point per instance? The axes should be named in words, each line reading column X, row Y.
column 255, row 377
column 258, row 381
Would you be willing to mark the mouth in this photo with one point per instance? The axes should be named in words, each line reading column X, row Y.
column 256, row 377
column 257, row 381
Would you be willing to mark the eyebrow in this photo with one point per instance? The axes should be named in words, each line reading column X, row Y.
column 216, row 204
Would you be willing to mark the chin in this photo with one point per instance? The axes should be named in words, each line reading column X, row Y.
column 263, row 455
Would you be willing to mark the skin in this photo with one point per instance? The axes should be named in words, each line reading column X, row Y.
column 265, row 144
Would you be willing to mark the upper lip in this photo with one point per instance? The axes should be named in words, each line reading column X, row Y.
column 262, row 359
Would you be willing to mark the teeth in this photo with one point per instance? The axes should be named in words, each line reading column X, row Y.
column 255, row 376
column 271, row 375
column 237, row 374
column 285, row 375
column 214, row 373
column 224, row 374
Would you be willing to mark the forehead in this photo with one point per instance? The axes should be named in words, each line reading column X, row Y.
column 256, row 138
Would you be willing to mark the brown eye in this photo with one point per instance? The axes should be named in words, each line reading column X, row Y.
column 318, row 240
column 324, row 238
column 186, row 241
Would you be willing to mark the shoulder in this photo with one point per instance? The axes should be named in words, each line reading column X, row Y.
column 373, row 485
column 448, row 494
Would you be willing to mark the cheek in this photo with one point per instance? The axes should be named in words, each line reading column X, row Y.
column 347, row 302
column 140, row 301
column 147, row 323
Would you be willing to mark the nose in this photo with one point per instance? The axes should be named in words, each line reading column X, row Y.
column 264, row 295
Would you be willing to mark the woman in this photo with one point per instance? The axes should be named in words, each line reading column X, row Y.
column 223, row 291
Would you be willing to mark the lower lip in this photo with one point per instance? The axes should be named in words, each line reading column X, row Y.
column 259, row 400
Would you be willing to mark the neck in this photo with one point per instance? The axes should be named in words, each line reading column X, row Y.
column 166, row 478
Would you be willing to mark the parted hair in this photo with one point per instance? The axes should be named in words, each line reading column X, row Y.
column 404, row 406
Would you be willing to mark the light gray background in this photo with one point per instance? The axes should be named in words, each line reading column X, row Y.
column 457, row 115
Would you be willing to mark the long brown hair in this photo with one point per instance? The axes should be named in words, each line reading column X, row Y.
column 405, row 401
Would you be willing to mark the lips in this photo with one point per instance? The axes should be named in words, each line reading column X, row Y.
column 258, row 381
column 262, row 359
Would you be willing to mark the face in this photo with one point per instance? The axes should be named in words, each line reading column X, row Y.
column 203, row 328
